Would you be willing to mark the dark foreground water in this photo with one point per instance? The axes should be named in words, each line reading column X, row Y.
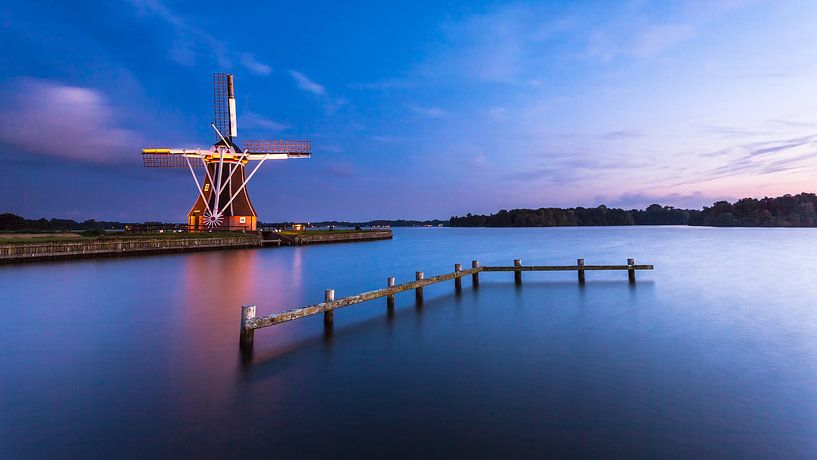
column 712, row 354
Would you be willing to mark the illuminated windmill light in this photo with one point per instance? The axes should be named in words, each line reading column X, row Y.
column 223, row 202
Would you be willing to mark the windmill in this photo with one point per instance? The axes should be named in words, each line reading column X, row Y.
column 223, row 203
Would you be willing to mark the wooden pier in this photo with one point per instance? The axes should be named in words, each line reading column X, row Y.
column 249, row 322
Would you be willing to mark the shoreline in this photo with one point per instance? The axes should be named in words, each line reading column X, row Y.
column 13, row 253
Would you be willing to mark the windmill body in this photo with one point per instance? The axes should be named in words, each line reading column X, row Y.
column 223, row 202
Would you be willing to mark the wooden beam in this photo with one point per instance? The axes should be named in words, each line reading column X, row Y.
column 565, row 268
column 250, row 322
column 295, row 313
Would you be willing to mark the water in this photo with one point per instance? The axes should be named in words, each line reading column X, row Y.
column 714, row 353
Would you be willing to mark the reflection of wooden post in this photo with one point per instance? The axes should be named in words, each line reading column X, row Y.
column 517, row 275
column 328, row 314
column 418, row 292
column 457, row 279
column 631, row 270
column 475, row 276
column 390, row 298
column 247, row 334
column 580, row 263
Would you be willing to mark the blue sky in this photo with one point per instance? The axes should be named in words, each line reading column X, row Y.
column 414, row 110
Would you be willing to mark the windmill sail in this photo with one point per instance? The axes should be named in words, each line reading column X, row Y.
column 292, row 149
column 172, row 158
column 221, row 105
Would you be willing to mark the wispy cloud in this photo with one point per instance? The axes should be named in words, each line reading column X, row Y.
column 639, row 32
column 566, row 168
column 792, row 123
column 428, row 112
column 732, row 132
column 487, row 47
column 340, row 169
column 386, row 139
column 251, row 64
column 306, row 84
column 331, row 104
column 49, row 118
column 480, row 161
column 621, row 134
column 498, row 113
column 385, row 85
column 511, row 44
column 776, row 146
column 757, row 159
column 253, row 120
column 333, row 148
column 638, row 41
column 190, row 42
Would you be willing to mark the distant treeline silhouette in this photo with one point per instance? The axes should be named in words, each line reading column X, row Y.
column 784, row 211
column 14, row 222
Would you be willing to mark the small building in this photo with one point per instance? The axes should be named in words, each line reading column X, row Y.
column 298, row 227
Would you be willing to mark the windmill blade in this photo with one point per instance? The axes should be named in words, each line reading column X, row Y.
column 221, row 105
column 292, row 149
column 171, row 158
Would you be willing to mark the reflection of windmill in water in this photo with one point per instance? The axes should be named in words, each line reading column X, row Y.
column 223, row 202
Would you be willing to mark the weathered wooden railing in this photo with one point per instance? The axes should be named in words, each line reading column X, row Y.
column 249, row 322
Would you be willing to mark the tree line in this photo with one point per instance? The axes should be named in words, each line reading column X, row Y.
column 13, row 222
column 785, row 211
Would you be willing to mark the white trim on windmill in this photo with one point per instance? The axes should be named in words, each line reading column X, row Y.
column 231, row 107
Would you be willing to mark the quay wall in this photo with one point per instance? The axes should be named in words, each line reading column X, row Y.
column 32, row 252
column 25, row 252
column 317, row 238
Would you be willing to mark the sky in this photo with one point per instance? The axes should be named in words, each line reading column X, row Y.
column 415, row 110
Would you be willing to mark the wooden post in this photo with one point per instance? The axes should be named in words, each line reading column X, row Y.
column 328, row 315
column 475, row 276
column 631, row 270
column 247, row 335
column 390, row 298
column 458, row 279
column 517, row 275
column 580, row 263
column 418, row 292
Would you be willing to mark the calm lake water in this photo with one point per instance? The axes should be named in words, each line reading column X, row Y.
column 714, row 353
